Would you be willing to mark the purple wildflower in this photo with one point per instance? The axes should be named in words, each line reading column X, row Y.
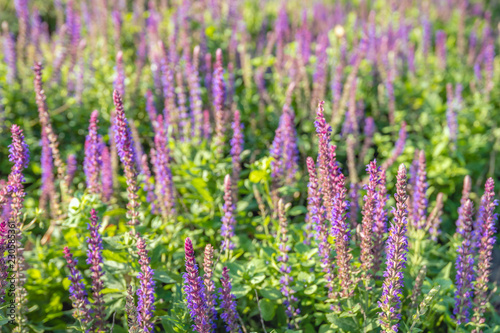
column 313, row 217
column 228, row 221
column 195, row 292
column 284, row 150
column 219, row 98
column 124, row 146
column 150, row 107
column 434, row 219
column 342, row 234
column 285, row 269
column 397, row 248
column 465, row 197
column 94, row 259
column 163, row 173
column 441, row 48
column 367, row 224
column 380, row 223
column 148, row 181
column 464, row 266
column 208, row 265
column 228, row 304
column 419, row 204
column 184, row 121
column 145, row 294
column 72, row 168
column 106, row 173
column 207, row 128
column 92, row 162
column 486, row 239
column 77, row 290
column 47, row 178
column 9, row 53
column 195, row 101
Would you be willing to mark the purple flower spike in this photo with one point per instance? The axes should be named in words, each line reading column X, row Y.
column 342, row 234
column 397, row 249
column 195, row 292
column 124, row 145
column 285, row 270
column 161, row 167
column 284, row 150
column 94, row 259
column 77, row 290
column 228, row 221
column 465, row 197
column 464, row 266
column 228, row 304
column 485, row 234
column 47, row 178
column 148, row 181
column 72, row 167
column 207, row 127
column 10, row 57
column 92, row 162
column 106, row 173
column 219, row 100
column 380, row 216
column 236, row 148
column 441, row 48
column 208, row 266
column 367, row 244
column 150, row 107
column 146, row 292
column 419, row 204
column 313, row 217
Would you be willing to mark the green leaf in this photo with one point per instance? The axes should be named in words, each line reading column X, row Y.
column 165, row 277
column 345, row 324
column 256, row 176
column 268, row 309
column 311, row 289
column 270, row 293
column 240, row 291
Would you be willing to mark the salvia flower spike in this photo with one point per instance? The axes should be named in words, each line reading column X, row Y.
column 77, row 290
column 397, row 249
column 228, row 304
column 464, row 266
column 208, row 264
column 486, row 240
column 124, row 146
column 146, row 291
column 94, row 259
column 92, row 162
column 195, row 292
column 228, row 221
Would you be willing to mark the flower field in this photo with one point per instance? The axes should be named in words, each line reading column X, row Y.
column 249, row 166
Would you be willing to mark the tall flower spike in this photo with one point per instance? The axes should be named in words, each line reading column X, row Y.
column 124, row 146
column 9, row 46
column 367, row 224
column 208, row 263
column 465, row 196
column 19, row 155
column 106, row 173
column 72, row 167
column 228, row 304
column 119, row 83
column 92, row 162
column 397, row 249
column 486, row 239
column 219, row 100
column 228, row 221
column 419, row 204
column 465, row 272
column 236, row 149
column 77, row 290
column 380, row 225
column 342, row 234
column 195, row 292
column 163, row 173
column 417, row 287
column 45, row 123
column 434, row 219
column 285, row 269
column 146, row 292
column 148, row 182
column 47, row 177
column 313, row 218
column 131, row 311
column 94, row 259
